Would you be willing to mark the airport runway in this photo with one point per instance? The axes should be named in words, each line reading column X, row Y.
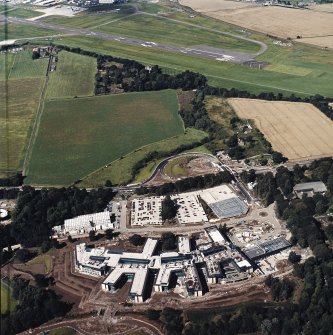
column 198, row 51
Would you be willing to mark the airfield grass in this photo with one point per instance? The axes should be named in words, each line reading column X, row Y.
column 22, row 13
column 74, row 76
column 22, row 31
column 21, row 65
column 153, row 28
column 80, row 135
column 228, row 75
column 8, row 303
column 120, row 171
column 6, row 63
column 89, row 19
column 19, row 100
column 158, row 29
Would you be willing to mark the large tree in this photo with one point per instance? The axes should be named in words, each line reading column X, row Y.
column 169, row 208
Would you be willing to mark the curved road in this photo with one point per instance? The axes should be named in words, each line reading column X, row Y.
column 198, row 51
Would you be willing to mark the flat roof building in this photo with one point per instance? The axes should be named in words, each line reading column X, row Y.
column 267, row 248
column 309, row 188
column 85, row 223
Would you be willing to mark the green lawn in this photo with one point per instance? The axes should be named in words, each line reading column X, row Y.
column 78, row 136
column 21, row 65
column 7, row 301
column 120, row 171
column 19, row 100
column 74, row 76
column 175, row 169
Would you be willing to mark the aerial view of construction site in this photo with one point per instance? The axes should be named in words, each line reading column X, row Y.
column 166, row 167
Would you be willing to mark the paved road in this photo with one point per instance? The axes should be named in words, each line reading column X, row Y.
column 199, row 51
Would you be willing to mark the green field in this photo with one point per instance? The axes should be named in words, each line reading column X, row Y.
column 80, row 135
column 23, row 66
column 74, row 76
column 19, row 100
column 8, row 303
column 120, row 171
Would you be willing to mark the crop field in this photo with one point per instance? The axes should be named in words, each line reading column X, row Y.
column 19, row 100
column 298, row 130
column 21, row 65
column 7, row 301
column 283, row 22
column 74, row 76
column 81, row 135
column 120, row 170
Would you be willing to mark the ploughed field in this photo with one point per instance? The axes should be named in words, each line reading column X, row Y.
column 298, row 130
column 78, row 136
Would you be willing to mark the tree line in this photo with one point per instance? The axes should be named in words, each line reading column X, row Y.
column 37, row 211
column 192, row 183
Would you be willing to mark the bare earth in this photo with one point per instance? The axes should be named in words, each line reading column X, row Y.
column 314, row 26
column 298, row 130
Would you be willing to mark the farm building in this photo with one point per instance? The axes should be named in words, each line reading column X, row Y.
column 309, row 188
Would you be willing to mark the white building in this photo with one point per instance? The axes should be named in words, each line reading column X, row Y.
column 83, row 224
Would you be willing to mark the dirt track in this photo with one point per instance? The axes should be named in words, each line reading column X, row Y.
column 298, row 130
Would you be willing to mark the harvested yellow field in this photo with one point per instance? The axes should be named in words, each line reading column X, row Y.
column 327, row 7
column 213, row 5
column 314, row 26
column 298, row 130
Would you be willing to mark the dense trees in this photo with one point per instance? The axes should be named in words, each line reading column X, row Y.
column 208, row 180
column 169, row 208
column 38, row 211
column 36, row 306
column 169, row 241
column 137, row 240
column 15, row 180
